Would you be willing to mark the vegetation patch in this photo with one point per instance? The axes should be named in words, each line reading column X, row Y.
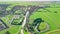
column 42, row 26
column 54, row 32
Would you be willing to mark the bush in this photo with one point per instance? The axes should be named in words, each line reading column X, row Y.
column 7, row 32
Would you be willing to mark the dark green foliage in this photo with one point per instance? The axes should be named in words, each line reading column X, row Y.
column 36, row 21
column 55, row 12
column 7, row 32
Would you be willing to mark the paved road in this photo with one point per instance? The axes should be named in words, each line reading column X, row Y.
column 28, row 10
column 36, row 27
column 24, row 22
column 47, row 28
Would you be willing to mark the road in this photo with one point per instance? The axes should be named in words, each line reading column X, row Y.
column 36, row 27
column 47, row 28
column 24, row 22
column 28, row 10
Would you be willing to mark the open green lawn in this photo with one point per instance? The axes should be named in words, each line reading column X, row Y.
column 12, row 30
column 25, row 32
column 42, row 26
column 22, row 3
column 54, row 32
column 49, row 17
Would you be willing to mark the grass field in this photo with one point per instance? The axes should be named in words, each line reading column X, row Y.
column 54, row 32
column 49, row 17
column 11, row 30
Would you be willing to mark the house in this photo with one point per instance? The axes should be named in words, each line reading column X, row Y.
column 16, row 16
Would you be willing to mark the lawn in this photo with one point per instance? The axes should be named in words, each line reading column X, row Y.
column 54, row 32
column 49, row 17
column 42, row 26
column 12, row 30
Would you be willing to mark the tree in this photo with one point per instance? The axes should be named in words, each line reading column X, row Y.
column 55, row 12
column 7, row 32
column 36, row 21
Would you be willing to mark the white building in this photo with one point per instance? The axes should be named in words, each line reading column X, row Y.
column 16, row 16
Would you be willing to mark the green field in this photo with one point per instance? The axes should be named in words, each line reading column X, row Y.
column 54, row 32
column 51, row 18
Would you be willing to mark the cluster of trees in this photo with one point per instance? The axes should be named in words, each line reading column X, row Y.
column 45, row 10
column 7, row 32
column 17, row 21
column 35, row 22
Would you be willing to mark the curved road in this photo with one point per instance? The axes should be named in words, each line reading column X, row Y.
column 28, row 11
column 47, row 28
